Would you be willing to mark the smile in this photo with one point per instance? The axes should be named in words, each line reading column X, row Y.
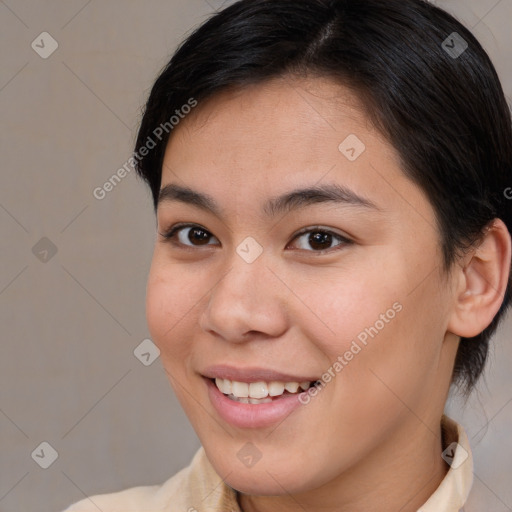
column 259, row 392
column 254, row 397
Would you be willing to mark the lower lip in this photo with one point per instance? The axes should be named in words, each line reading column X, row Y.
column 243, row 415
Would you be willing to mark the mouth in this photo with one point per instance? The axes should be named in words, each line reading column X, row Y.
column 259, row 392
column 255, row 397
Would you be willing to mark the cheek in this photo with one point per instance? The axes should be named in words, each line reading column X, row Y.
column 385, row 327
column 168, row 309
column 345, row 303
column 159, row 308
column 391, row 361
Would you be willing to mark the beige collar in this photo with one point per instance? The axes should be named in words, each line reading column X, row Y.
column 453, row 491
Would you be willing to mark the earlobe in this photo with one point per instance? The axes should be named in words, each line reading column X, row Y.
column 481, row 282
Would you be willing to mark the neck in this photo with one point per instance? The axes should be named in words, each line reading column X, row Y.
column 400, row 475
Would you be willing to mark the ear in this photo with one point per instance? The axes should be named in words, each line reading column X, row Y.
column 481, row 282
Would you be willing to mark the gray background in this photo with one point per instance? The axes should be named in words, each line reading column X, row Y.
column 68, row 374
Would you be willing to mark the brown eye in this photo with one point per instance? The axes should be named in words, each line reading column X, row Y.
column 317, row 240
column 320, row 240
column 189, row 235
column 198, row 236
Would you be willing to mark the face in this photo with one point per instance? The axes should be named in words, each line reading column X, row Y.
column 259, row 285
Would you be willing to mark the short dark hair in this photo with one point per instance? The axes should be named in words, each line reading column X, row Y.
column 439, row 104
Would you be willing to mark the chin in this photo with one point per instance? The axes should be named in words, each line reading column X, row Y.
column 262, row 484
column 265, row 478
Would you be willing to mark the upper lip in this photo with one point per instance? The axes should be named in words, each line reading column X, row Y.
column 252, row 374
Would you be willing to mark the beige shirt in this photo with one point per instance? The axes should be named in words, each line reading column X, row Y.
column 198, row 488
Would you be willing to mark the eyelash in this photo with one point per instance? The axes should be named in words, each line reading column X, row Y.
column 170, row 236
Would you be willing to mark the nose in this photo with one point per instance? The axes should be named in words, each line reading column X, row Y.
column 248, row 300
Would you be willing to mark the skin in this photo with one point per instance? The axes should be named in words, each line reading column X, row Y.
column 370, row 440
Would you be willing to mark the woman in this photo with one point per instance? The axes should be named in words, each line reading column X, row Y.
column 329, row 179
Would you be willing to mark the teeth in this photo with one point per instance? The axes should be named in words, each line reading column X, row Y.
column 291, row 387
column 246, row 400
column 240, row 389
column 257, row 392
column 262, row 401
column 276, row 388
column 224, row 385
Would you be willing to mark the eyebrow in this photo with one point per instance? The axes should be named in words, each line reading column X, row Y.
column 332, row 193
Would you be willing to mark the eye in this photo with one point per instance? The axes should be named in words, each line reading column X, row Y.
column 320, row 239
column 188, row 234
column 316, row 238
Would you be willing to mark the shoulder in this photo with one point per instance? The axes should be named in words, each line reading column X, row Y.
column 177, row 491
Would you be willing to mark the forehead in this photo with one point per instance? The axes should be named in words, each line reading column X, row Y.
column 250, row 143
column 251, row 117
